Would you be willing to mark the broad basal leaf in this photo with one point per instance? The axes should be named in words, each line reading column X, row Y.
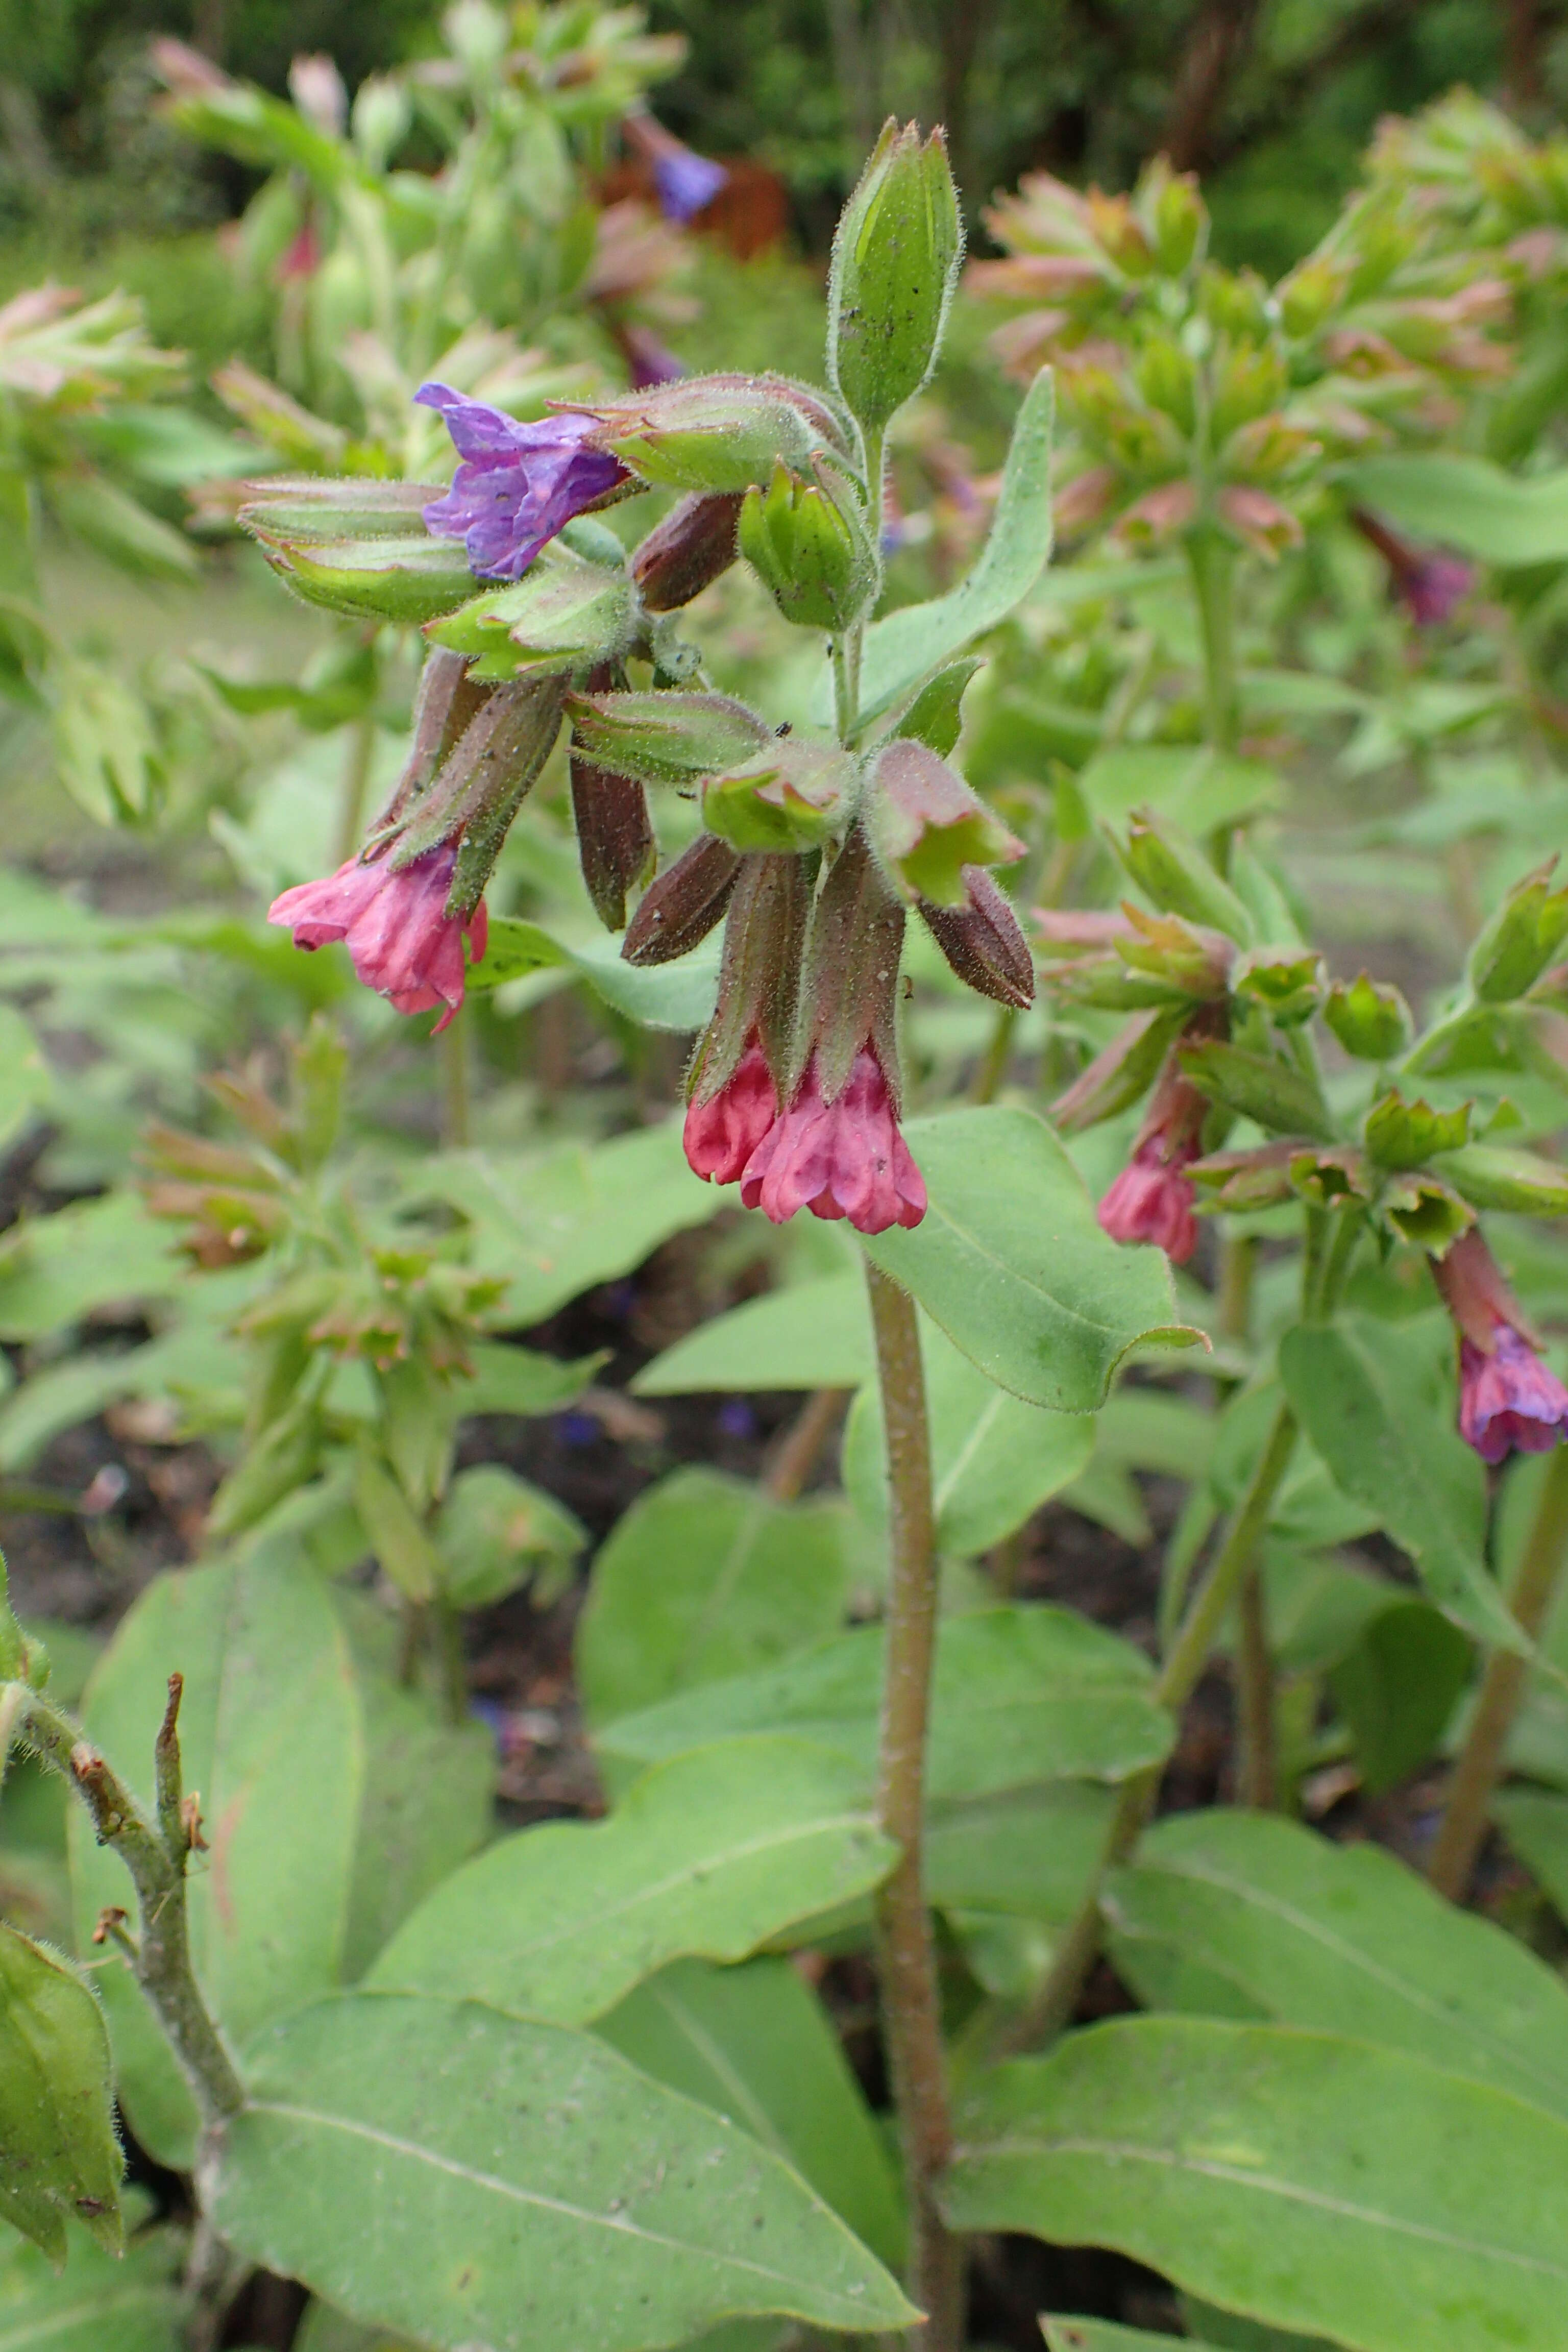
column 272, row 1737
column 467, row 2179
column 815, row 1335
column 59, row 2155
column 100, row 2303
column 1010, row 1260
column 55, row 1269
column 1347, row 1938
column 708, row 1856
column 1314, row 2183
column 755, row 2042
column 1020, row 1696
column 702, row 1577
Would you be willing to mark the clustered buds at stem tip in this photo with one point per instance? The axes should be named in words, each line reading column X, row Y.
column 403, row 942
column 1508, row 1397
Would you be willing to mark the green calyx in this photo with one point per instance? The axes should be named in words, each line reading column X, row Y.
column 809, row 547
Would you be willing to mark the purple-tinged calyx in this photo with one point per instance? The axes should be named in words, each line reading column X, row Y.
column 517, row 484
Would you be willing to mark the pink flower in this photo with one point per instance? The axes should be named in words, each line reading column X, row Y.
column 401, row 939
column 1509, row 1398
column 1151, row 1201
column 839, row 1158
column 722, row 1133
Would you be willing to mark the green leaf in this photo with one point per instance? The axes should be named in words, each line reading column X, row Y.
column 1397, row 1688
column 1030, row 1853
column 1470, row 504
column 553, row 1223
column 1010, row 1260
column 1194, row 787
column 1311, row 2182
column 906, row 646
column 702, row 1577
column 1020, row 1696
column 512, row 948
column 1263, row 1087
column 272, row 1737
column 56, row 1270
column 994, row 1459
column 1325, row 1936
column 1227, row 2333
column 813, row 1334
column 507, row 1379
column 103, row 2303
column 59, row 2155
column 1363, row 1394
column 428, row 1791
column 708, row 1857
column 1536, row 1827
column 537, row 2189
column 754, row 2043
column 322, row 2329
column 24, row 1080
column 496, row 1532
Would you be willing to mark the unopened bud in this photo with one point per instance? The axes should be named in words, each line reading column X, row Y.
column 717, row 433
column 1176, row 212
column 1371, row 1020
column 1286, row 983
column 1182, row 955
column 927, row 826
column 1167, row 379
column 1178, row 877
column 1246, row 1180
column 693, row 546
column 1249, row 381
column 1313, row 291
column 1120, row 1071
column 809, row 548
column 983, row 941
column 1400, row 1134
column 563, row 615
column 788, row 797
column 615, row 844
column 665, row 738
column 1519, row 943
column 680, row 906
column 896, row 257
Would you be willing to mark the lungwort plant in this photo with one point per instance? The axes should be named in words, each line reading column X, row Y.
column 574, row 2086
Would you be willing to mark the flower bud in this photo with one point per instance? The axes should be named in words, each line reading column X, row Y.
column 927, row 826
column 717, row 433
column 1521, row 939
column 358, row 548
column 1167, row 379
column 1177, row 876
column 1312, row 292
column 1371, row 1020
column 665, row 738
column 1197, row 961
column 692, row 547
column 896, row 257
column 1169, row 201
column 615, row 844
column 983, row 941
column 1246, row 1180
column 1259, row 522
column 1405, row 1135
column 680, row 906
column 480, row 785
column 1286, row 983
column 788, row 797
column 1249, row 381
column 809, row 548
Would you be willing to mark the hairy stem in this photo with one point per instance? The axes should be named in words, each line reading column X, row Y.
column 907, row 1961
column 1481, row 1758
column 156, row 1857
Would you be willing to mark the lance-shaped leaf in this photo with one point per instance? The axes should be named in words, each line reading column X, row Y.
column 562, row 614
column 1521, row 939
column 272, row 1737
column 1121, row 1070
column 907, row 645
column 1064, row 2334
column 467, row 2177
column 1493, row 1176
column 1313, row 2183
column 792, row 796
column 927, row 826
column 813, row 1334
column 1010, row 1260
column 1021, row 1695
column 1317, row 1934
column 1179, row 879
column 1370, row 1400
column 709, row 1857
column 59, row 2155
column 1400, row 1134
column 1276, row 1093
column 665, row 738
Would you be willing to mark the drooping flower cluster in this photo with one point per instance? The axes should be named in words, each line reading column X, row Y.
column 1508, row 1398
column 395, row 926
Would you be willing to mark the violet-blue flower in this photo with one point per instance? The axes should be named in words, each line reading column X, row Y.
column 683, row 181
column 517, row 484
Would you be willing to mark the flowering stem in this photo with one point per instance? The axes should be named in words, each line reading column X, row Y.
column 354, row 789
column 1211, row 560
column 907, row 1961
column 1481, row 1758
column 155, row 1855
column 993, row 1067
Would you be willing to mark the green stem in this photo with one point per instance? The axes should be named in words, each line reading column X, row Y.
column 993, row 1067
column 454, row 1044
column 907, row 1961
column 354, row 789
column 1211, row 560
column 1481, row 1757
column 156, row 1862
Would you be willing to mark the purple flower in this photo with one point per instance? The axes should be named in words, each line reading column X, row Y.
column 1509, row 1398
column 684, row 181
column 517, row 484
column 401, row 939
column 1431, row 587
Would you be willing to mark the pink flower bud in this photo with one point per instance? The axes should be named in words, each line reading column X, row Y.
column 1508, row 1397
column 839, row 1158
column 1151, row 1201
column 1428, row 582
column 722, row 1133
column 395, row 925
